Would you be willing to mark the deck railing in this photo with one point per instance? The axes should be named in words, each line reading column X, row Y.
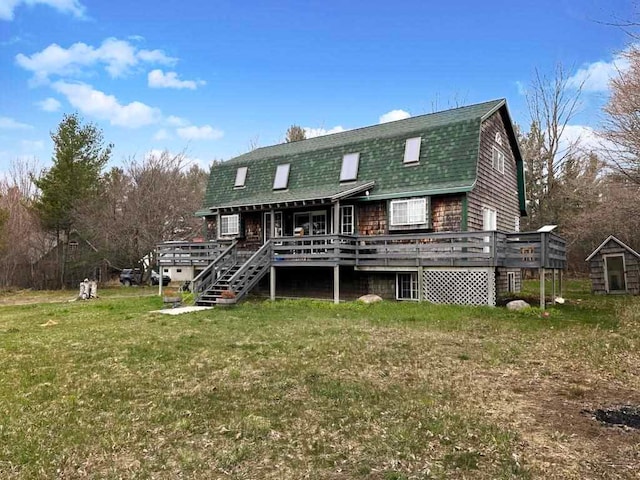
column 456, row 249
column 227, row 259
column 188, row 253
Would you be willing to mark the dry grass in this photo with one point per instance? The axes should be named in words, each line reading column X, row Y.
column 312, row 390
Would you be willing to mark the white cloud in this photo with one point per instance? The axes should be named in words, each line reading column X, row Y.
column 394, row 115
column 49, row 104
column 117, row 56
column 585, row 138
column 30, row 145
column 176, row 121
column 11, row 124
column 318, row 132
column 595, row 77
column 158, row 79
column 206, row 132
column 73, row 7
column 106, row 107
column 522, row 88
column 162, row 134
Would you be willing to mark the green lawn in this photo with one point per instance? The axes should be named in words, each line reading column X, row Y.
column 303, row 389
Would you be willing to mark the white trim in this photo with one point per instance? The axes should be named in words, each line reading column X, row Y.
column 350, row 165
column 230, row 223
column 606, row 272
column 281, row 178
column 611, row 237
column 241, row 177
column 413, row 286
column 412, row 150
column 497, row 159
column 343, row 209
column 411, row 219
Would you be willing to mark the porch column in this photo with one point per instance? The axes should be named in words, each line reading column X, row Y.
column 272, row 223
column 420, row 284
column 336, row 218
column 272, row 283
column 336, row 284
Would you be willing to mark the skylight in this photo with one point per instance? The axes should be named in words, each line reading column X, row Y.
column 281, row 180
column 241, row 176
column 349, row 169
column 412, row 150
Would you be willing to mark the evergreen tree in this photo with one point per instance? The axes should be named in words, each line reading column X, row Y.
column 295, row 133
column 78, row 159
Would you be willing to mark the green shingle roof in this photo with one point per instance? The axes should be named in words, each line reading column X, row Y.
column 448, row 157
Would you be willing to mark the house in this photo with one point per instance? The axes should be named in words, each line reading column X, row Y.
column 614, row 268
column 81, row 260
column 425, row 208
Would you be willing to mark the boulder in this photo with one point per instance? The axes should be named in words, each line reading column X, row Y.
column 370, row 298
column 517, row 305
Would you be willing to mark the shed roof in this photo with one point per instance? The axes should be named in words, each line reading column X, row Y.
column 447, row 162
column 611, row 238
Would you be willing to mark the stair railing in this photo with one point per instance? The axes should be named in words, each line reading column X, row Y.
column 251, row 271
column 209, row 275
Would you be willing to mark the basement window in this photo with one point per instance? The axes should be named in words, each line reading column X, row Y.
column 281, row 180
column 229, row 225
column 412, row 150
column 349, row 169
column 241, row 176
column 407, row 286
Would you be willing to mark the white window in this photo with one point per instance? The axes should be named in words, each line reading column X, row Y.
column 349, row 169
column 229, row 225
column 241, row 176
column 498, row 138
column 281, row 180
column 346, row 220
column 409, row 212
column 412, row 150
column 489, row 222
column 516, row 224
column 489, row 219
column 498, row 160
column 407, row 286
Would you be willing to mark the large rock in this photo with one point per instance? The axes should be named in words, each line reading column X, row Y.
column 370, row 298
column 517, row 305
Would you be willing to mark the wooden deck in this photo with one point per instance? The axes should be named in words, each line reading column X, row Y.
column 455, row 249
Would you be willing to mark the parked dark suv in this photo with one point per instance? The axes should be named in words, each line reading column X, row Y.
column 133, row 276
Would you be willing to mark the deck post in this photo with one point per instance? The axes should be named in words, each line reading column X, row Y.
column 420, row 294
column 272, row 283
column 555, row 270
column 336, row 284
column 542, row 289
column 560, row 283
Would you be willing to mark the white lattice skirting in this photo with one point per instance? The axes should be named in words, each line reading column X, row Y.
column 463, row 286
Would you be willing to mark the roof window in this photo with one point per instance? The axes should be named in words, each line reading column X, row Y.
column 241, row 176
column 349, row 169
column 281, row 181
column 412, row 150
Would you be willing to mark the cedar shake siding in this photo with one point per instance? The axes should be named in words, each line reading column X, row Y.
column 494, row 189
column 446, row 214
column 372, row 218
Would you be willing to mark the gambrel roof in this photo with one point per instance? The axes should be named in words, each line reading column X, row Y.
column 447, row 163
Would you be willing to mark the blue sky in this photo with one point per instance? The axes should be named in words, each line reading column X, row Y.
column 213, row 77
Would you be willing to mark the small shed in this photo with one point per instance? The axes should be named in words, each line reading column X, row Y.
column 614, row 268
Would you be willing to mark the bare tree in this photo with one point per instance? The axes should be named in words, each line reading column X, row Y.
column 552, row 103
column 23, row 238
column 622, row 121
column 147, row 202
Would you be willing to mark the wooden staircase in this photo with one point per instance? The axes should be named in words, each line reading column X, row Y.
column 230, row 272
